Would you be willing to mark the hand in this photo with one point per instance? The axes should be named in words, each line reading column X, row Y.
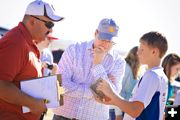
column 54, row 69
column 98, row 93
column 99, row 54
column 44, row 64
column 104, row 101
column 38, row 107
column 105, row 88
column 112, row 78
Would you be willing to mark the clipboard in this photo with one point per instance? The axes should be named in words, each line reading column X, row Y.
column 48, row 87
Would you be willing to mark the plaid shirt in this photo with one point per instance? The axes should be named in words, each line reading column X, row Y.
column 78, row 73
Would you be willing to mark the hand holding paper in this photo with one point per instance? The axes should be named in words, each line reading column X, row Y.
column 43, row 88
column 37, row 107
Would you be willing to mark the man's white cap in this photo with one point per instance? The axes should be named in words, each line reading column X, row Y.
column 41, row 8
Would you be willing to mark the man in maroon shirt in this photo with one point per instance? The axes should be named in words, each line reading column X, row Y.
column 19, row 60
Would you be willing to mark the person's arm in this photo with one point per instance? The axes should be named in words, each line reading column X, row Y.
column 116, row 70
column 11, row 65
column 66, row 68
column 141, row 98
column 113, row 74
column 11, row 94
column 50, row 68
column 132, row 108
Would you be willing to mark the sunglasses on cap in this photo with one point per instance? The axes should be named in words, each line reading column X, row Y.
column 48, row 24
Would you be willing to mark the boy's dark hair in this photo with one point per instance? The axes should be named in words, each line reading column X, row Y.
column 156, row 40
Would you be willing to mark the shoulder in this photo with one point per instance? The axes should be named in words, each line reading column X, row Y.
column 155, row 75
column 13, row 40
column 150, row 75
column 116, row 56
column 46, row 51
column 14, row 33
column 128, row 72
column 78, row 46
column 128, row 68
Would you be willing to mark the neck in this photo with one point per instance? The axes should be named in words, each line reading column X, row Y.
column 154, row 64
column 40, row 47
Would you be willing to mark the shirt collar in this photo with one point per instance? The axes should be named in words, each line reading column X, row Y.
column 28, row 37
column 26, row 33
column 90, row 45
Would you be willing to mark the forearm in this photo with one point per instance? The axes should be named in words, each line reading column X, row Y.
column 78, row 91
column 99, row 71
column 73, row 89
column 11, row 94
column 134, row 109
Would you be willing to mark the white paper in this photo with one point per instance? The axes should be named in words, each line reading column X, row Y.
column 43, row 88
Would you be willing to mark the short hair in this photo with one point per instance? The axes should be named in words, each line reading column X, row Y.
column 169, row 61
column 156, row 40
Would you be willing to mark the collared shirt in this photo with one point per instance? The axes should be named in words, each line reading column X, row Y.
column 151, row 90
column 78, row 73
column 19, row 60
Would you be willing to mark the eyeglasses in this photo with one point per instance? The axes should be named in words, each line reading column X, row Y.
column 108, row 41
column 48, row 24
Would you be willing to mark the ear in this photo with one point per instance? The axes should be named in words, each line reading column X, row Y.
column 96, row 33
column 31, row 21
column 155, row 51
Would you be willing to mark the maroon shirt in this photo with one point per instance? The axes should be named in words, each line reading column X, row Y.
column 19, row 60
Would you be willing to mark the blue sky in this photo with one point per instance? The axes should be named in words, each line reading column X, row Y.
column 134, row 17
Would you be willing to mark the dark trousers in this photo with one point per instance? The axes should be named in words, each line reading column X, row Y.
column 57, row 117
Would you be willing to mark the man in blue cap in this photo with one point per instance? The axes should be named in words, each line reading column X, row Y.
column 84, row 64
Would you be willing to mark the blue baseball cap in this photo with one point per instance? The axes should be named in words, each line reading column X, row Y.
column 107, row 29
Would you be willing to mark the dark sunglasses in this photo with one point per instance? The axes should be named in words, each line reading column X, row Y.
column 48, row 24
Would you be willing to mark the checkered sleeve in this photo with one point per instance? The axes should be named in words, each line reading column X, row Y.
column 117, row 71
column 72, row 88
